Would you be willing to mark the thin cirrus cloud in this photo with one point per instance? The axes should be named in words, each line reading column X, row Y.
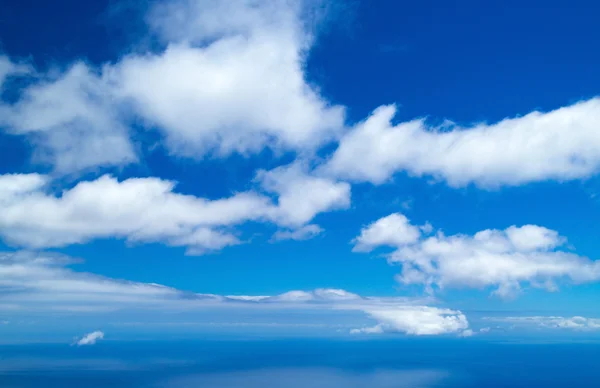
column 148, row 209
column 501, row 259
column 30, row 281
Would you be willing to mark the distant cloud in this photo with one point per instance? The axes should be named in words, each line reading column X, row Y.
column 45, row 284
column 504, row 259
column 304, row 233
column 416, row 320
column 552, row 322
column 91, row 338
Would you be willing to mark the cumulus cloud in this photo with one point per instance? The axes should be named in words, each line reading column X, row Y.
column 503, row 259
column 229, row 79
column 393, row 230
column 416, row 320
column 552, row 322
column 302, row 195
column 91, row 338
column 562, row 144
column 148, row 209
column 138, row 209
column 72, row 118
column 45, row 283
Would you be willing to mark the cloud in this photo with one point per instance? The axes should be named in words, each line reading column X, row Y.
column 561, row 145
column 229, row 78
column 504, row 259
column 552, row 322
column 91, row 338
column 302, row 195
column 148, row 210
column 393, row 230
column 72, row 119
column 44, row 283
column 8, row 68
column 416, row 320
column 304, row 233
column 138, row 209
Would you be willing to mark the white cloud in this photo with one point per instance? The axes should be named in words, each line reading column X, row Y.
column 302, row 195
column 504, row 259
column 552, row 322
column 416, row 320
column 230, row 80
column 303, row 233
column 91, row 338
column 138, row 209
column 45, row 283
column 563, row 144
column 393, row 230
column 72, row 119
column 148, row 209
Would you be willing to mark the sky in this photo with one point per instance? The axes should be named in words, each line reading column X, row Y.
column 298, row 168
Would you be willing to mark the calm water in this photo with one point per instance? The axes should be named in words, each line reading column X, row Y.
column 301, row 363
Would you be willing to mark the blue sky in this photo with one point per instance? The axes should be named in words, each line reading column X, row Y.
column 421, row 169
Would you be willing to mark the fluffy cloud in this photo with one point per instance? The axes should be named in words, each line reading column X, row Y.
column 45, row 283
column 138, row 209
column 504, row 259
column 562, row 144
column 91, row 338
column 73, row 120
column 393, row 230
column 551, row 322
column 148, row 209
column 230, row 78
column 416, row 320
column 302, row 195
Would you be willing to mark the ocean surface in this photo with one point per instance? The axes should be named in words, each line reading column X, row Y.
column 302, row 363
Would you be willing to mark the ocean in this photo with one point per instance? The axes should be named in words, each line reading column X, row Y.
column 397, row 363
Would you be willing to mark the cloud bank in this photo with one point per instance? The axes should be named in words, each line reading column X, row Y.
column 44, row 283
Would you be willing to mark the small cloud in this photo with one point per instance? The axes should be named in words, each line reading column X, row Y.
column 467, row 333
column 91, row 338
column 304, row 233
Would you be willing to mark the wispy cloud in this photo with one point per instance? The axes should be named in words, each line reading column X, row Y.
column 577, row 323
column 43, row 284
